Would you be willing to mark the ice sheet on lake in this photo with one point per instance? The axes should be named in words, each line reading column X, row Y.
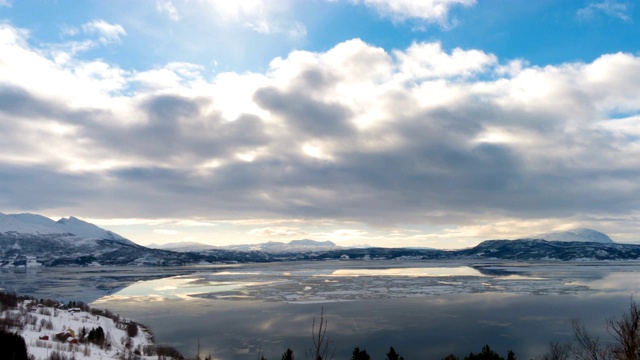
column 346, row 282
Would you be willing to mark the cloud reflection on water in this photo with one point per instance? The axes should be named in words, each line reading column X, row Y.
column 241, row 311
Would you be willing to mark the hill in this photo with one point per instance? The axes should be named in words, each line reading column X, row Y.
column 576, row 235
column 76, row 331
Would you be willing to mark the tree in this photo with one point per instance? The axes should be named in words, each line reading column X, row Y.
column 488, row 354
column 13, row 346
column 626, row 332
column 132, row 329
column 557, row 351
column 393, row 355
column 320, row 350
column 360, row 355
column 587, row 347
column 96, row 336
column 287, row 355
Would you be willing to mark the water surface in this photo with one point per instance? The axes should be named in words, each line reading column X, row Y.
column 424, row 310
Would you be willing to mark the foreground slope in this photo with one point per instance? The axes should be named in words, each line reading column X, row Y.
column 71, row 332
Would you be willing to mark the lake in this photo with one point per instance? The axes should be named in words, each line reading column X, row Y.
column 425, row 310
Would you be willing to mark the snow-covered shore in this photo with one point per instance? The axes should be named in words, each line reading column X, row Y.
column 71, row 332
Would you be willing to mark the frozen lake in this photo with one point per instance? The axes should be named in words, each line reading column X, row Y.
column 425, row 310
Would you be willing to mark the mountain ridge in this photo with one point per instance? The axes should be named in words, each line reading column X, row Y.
column 34, row 224
column 34, row 240
column 576, row 235
column 269, row 247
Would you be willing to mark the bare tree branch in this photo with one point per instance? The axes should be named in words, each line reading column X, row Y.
column 320, row 341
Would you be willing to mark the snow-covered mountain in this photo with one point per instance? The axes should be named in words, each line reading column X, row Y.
column 34, row 240
column 273, row 247
column 186, row 246
column 576, row 235
column 293, row 246
column 34, row 224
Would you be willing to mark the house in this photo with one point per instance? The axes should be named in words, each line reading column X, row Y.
column 63, row 336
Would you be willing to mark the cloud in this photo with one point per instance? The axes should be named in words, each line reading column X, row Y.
column 263, row 17
column 612, row 8
column 108, row 33
column 400, row 10
column 165, row 232
column 166, row 7
column 428, row 60
column 357, row 134
column 5, row 3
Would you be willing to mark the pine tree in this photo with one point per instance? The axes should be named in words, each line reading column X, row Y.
column 287, row 355
column 13, row 346
column 360, row 355
column 393, row 355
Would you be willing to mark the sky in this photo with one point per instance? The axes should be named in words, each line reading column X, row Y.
column 434, row 123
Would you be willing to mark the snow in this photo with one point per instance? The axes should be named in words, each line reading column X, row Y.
column 39, row 318
column 29, row 224
column 78, row 227
column 38, row 224
column 581, row 235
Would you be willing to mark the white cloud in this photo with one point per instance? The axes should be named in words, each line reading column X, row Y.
column 429, row 61
column 265, row 17
column 77, row 82
column 195, row 223
column 165, row 232
column 166, row 7
column 353, row 133
column 108, row 33
column 427, row 10
column 5, row 3
column 612, row 8
column 297, row 31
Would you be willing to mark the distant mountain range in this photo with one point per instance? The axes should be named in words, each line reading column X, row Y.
column 304, row 245
column 32, row 240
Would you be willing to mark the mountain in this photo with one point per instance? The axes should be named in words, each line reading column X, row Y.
column 34, row 240
column 39, row 225
column 576, row 235
column 537, row 249
column 293, row 246
column 521, row 250
column 187, row 246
